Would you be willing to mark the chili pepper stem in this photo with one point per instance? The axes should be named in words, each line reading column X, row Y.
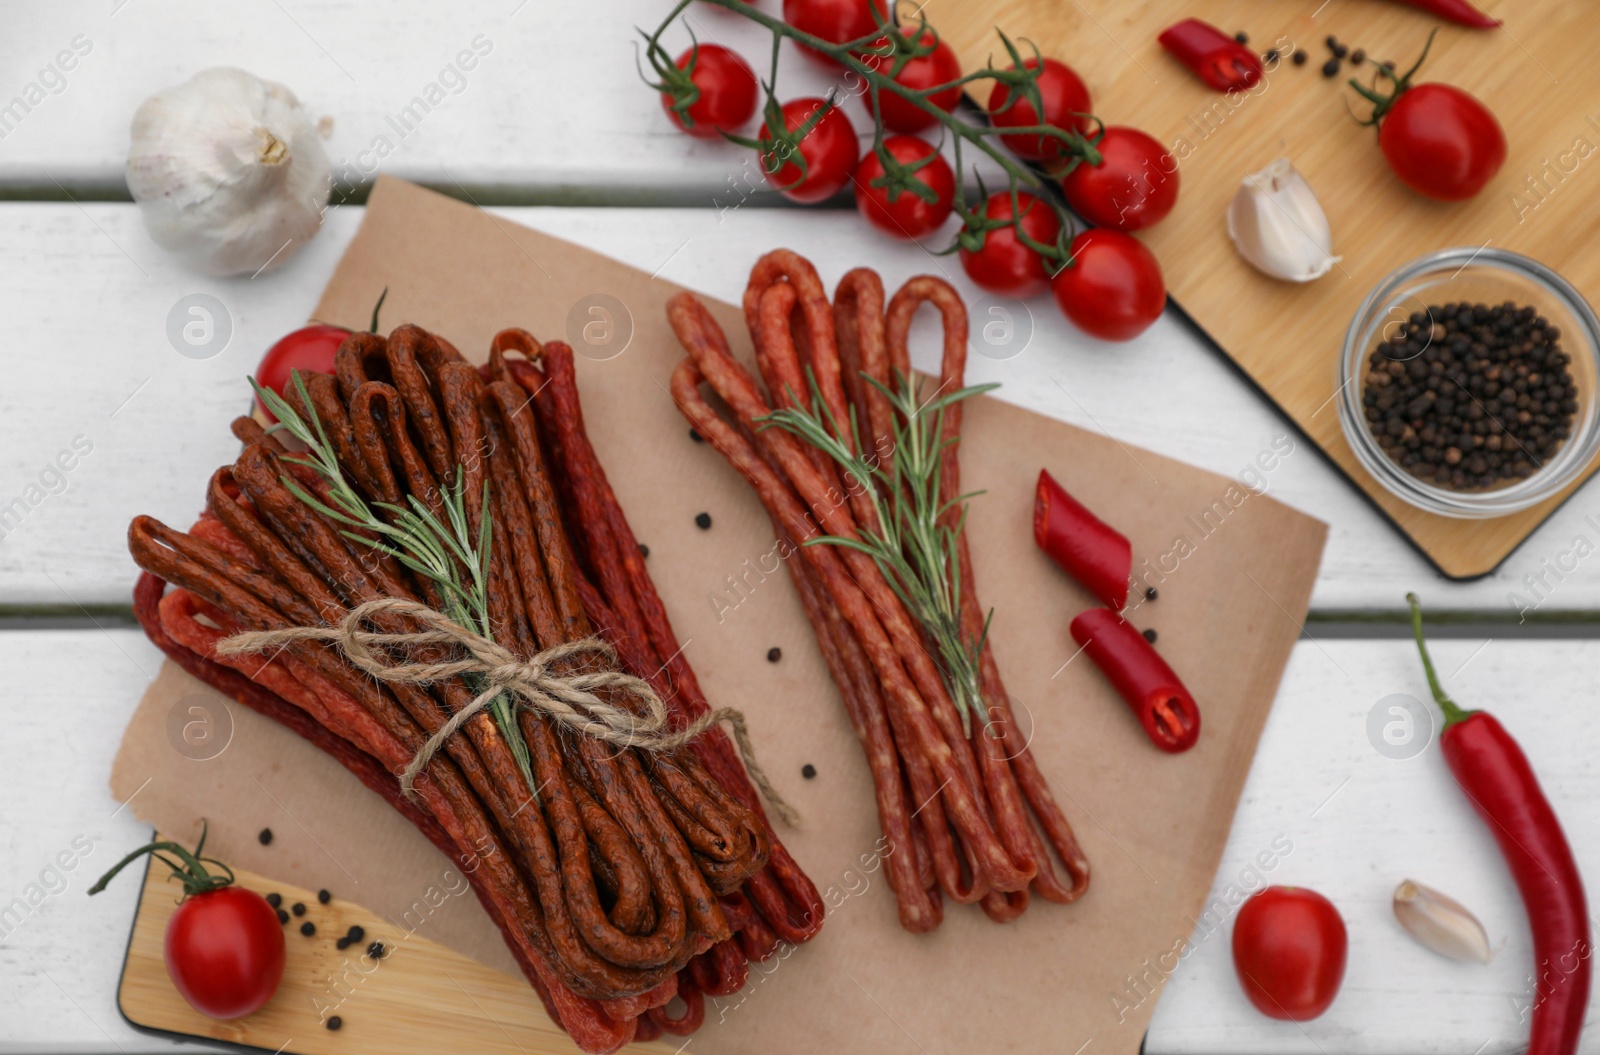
column 1453, row 712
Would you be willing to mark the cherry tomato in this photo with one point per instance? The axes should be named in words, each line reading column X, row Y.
column 1064, row 97
column 939, row 66
column 224, row 951
column 1289, row 948
column 908, row 215
column 1112, row 287
column 829, row 149
column 1004, row 265
column 727, row 91
column 835, row 21
column 1442, row 142
column 1134, row 186
column 309, row 349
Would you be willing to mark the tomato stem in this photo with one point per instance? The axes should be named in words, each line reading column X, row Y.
column 1453, row 712
column 863, row 59
column 1382, row 104
column 192, row 873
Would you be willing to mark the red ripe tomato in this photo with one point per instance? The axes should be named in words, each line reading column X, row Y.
column 224, row 951
column 1134, row 186
column 1064, row 97
column 829, row 150
column 1112, row 286
column 727, row 91
column 939, row 66
column 908, row 215
column 309, row 349
column 1442, row 142
column 835, row 21
column 1289, row 948
column 1005, row 265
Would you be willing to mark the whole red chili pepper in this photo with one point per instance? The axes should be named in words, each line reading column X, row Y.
column 1458, row 11
column 1081, row 544
column 1216, row 58
column 1496, row 776
column 1156, row 695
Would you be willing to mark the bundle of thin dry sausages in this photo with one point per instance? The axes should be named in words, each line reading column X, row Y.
column 636, row 876
column 968, row 817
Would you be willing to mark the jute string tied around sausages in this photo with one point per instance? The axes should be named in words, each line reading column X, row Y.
column 571, row 700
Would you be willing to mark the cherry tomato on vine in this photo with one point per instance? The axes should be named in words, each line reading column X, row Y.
column 938, row 66
column 1111, row 287
column 906, row 214
column 835, row 21
column 829, row 149
column 1289, row 947
column 224, row 950
column 1004, row 265
column 1442, row 142
column 224, row 946
column 1134, row 185
column 728, row 91
column 1065, row 100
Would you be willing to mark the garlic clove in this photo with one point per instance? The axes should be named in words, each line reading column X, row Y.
column 1278, row 225
column 228, row 171
column 1441, row 923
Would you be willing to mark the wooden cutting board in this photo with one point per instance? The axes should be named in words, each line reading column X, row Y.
column 1539, row 76
column 419, row 997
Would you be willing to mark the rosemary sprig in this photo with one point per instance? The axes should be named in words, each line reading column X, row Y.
column 916, row 546
column 441, row 552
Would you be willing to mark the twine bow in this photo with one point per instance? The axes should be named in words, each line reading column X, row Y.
column 571, row 700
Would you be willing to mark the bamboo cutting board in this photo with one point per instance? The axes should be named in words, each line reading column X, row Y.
column 1539, row 76
column 420, row 997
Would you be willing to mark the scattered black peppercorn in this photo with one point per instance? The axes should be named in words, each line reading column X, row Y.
column 376, row 950
column 808, row 771
column 1358, row 56
column 1150, row 636
column 323, row 897
column 355, row 933
column 1300, row 56
column 308, row 928
column 298, row 908
column 334, row 1022
column 274, row 900
column 283, row 917
column 342, row 944
column 1150, row 593
column 1332, row 42
column 693, row 435
column 702, row 521
column 1242, row 37
column 1340, row 51
column 774, row 654
column 1330, row 68
column 1470, row 396
column 644, row 551
column 1270, row 56
column 265, row 837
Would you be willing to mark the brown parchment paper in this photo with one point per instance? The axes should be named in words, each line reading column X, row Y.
column 1234, row 570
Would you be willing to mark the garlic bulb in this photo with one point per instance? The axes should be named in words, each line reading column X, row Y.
column 1440, row 922
column 228, row 171
column 1278, row 225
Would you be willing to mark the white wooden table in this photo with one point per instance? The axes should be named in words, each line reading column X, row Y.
column 555, row 129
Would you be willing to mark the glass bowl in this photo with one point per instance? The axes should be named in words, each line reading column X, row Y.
column 1473, row 275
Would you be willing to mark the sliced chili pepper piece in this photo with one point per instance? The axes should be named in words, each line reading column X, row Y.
column 1491, row 768
column 1458, row 11
column 1212, row 55
column 1157, row 696
column 1082, row 545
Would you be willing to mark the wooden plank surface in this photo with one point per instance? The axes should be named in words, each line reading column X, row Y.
column 90, row 355
column 1358, row 822
column 1289, row 337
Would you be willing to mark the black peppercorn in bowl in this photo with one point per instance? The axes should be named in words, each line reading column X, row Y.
column 1469, row 383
